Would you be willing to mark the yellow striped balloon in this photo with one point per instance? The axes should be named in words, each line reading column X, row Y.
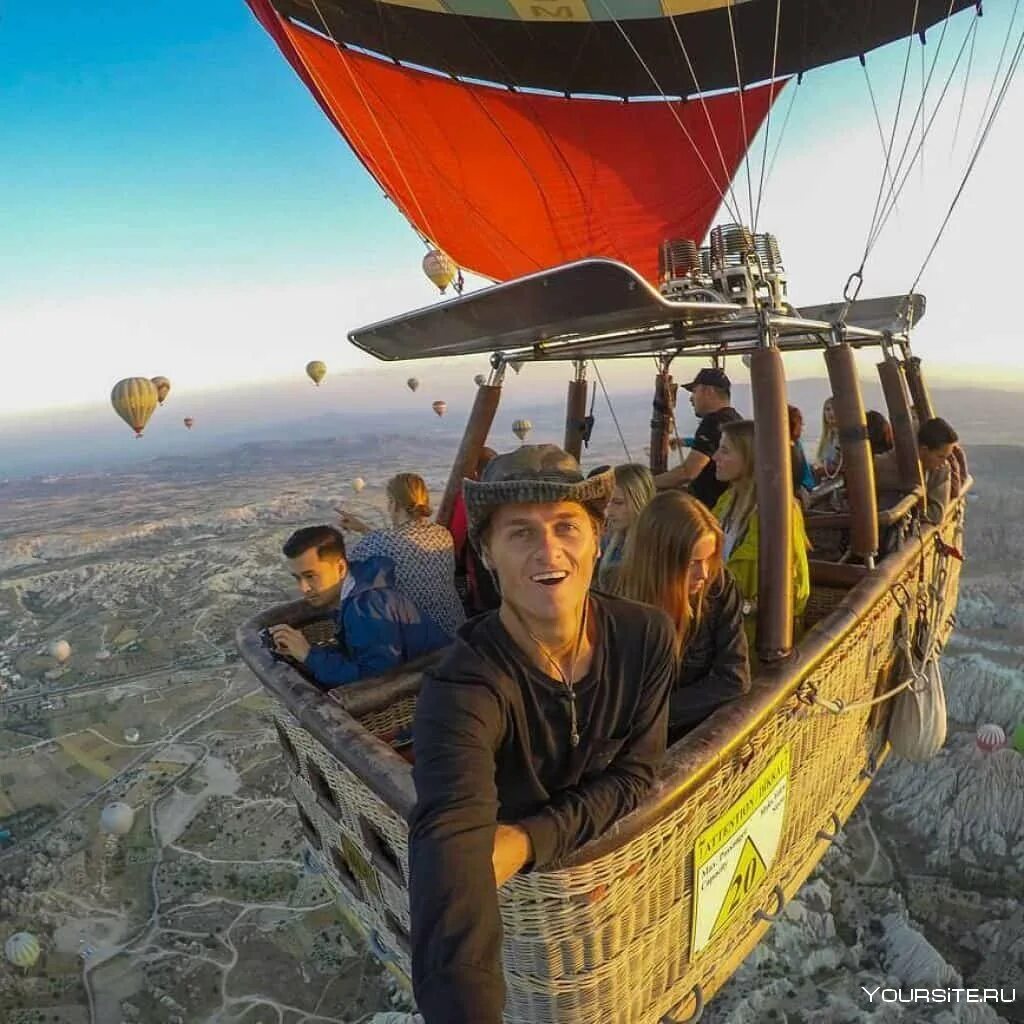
column 316, row 371
column 134, row 399
column 22, row 949
column 439, row 268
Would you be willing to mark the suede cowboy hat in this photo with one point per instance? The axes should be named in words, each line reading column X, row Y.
column 534, row 474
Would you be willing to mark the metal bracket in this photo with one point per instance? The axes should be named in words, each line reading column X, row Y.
column 836, row 827
column 763, row 915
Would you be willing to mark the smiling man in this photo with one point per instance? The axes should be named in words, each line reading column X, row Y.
column 541, row 727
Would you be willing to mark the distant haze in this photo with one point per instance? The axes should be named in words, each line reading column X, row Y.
column 368, row 405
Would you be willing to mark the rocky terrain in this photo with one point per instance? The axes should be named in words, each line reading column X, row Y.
column 146, row 575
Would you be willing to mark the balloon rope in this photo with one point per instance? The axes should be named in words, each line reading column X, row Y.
column 878, row 122
column 611, row 409
column 733, row 211
column 995, row 76
column 963, row 94
column 768, row 116
column 376, row 122
column 782, row 133
column 707, row 113
column 743, row 112
column 1010, row 73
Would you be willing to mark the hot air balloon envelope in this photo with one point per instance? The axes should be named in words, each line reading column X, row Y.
column 163, row 388
column 316, row 371
column 521, row 428
column 440, row 408
column 479, row 380
column 134, row 399
column 990, row 737
column 117, row 819
column 188, row 421
column 61, row 650
column 439, row 268
column 358, row 484
column 412, row 383
column 22, row 949
column 1018, row 739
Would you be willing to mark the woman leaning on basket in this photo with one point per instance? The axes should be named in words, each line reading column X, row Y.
column 543, row 724
column 673, row 561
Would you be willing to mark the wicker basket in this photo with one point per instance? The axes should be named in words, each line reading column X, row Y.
column 631, row 930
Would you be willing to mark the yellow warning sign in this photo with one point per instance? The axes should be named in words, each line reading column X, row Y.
column 733, row 855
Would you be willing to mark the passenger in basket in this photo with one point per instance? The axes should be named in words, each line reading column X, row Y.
column 423, row 551
column 828, row 461
column 879, row 433
column 937, row 442
column 710, row 396
column 634, row 488
column 673, row 561
column 378, row 628
column 803, row 475
column 737, row 512
column 542, row 726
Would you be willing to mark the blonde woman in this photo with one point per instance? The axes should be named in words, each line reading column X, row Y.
column 634, row 488
column 673, row 561
column 423, row 551
column 736, row 511
column 828, row 461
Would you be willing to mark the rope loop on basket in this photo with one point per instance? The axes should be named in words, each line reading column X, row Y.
column 836, row 826
column 763, row 915
column 698, row 1009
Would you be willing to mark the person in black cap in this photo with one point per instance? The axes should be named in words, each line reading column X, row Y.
column 710, row 396
column 543, row 725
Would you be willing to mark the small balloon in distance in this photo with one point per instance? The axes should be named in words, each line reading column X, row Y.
column 316, row 370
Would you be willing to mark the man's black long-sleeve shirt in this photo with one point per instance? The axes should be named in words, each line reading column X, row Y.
column 491, row 737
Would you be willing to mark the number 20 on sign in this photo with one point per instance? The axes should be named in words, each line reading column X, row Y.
column 733, row 855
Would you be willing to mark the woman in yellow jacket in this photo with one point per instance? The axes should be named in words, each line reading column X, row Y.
column 736, row 510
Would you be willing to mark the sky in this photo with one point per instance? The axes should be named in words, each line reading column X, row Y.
column 173, row 201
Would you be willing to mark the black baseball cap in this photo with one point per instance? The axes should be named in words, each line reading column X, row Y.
column 711, row 376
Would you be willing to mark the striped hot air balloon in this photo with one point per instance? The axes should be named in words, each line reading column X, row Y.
column 440, row 408
column 439, row 268
column 22, row 949
column 134, row 399
column 163, row 388
column 990, row 737
column 521, row 428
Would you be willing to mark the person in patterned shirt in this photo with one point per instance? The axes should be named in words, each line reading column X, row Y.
column 423, row 551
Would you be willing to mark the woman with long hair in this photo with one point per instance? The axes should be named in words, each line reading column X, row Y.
column 673, row 561
column 423, row 551
column 634, row 488
column 736, row 510
column 828, row 460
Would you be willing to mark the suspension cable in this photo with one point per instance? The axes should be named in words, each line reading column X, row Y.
column 963, row 94
column 785, row 125
column 878, row 120
column 768, row 116
column 707, row 113
column 1010, row 73
column 743, row 109
column 672, row 109
column 999, row 67
column 611, row 409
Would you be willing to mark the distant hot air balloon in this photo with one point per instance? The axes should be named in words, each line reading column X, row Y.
column 134, row 399
column 412, row 383
column 188, row 421
column 163, row 388
column 131, row 735
column 479, row 380
column 316, row 371
column 22, row 949
column 60, row 650
column 439, row 268
column 517, row 365
column 358, row 484
column 440, row 408
column 521, row 428
column 117, row 819
column 990, row 737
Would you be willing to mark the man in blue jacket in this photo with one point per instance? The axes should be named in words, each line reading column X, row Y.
column 378, row 628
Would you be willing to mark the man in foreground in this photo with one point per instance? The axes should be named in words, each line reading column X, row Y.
column 378, row 628
column 711, row 398
column 542, row 726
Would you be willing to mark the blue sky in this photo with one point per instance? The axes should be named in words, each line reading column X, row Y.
column 173, row 201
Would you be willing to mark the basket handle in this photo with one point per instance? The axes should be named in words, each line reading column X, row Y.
column 698, row 1009
column 763, row 915
column 836, row 826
